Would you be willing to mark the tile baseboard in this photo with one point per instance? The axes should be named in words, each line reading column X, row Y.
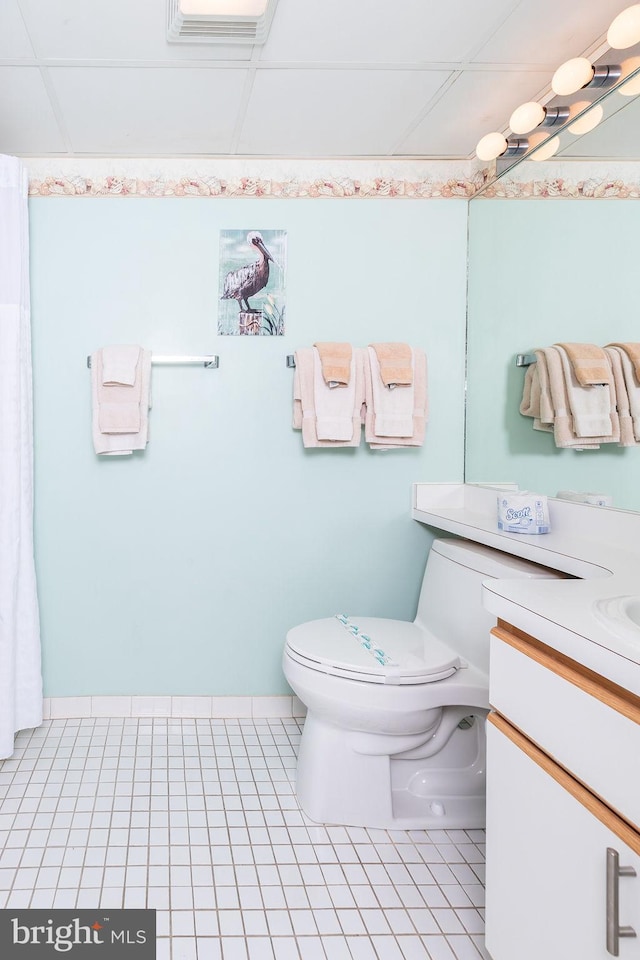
column 226, row 708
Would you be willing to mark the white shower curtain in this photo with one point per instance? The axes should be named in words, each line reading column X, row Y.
column 20, row 672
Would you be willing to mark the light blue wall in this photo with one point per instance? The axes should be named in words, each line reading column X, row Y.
column 541, row 272
column 179, row 571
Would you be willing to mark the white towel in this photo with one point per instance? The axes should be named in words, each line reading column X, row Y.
column 119, row 364
column 590, row 405
column 392, row 409
column 333, row 405
column 304, row 411
column 633, row 388
column 420, row 411
column 135, row 401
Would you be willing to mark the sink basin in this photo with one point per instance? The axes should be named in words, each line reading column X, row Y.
column 620, row 615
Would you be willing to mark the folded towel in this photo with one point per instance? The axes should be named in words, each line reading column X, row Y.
column 336, row 362
column 395, row 363
column 334, row 408
column 563, row 432
column 632, row 384
column 589, row 362
column 119, row 364
column 627, row 435
column 134, row 400
column 632, row 350
column 420, row 406
column 392, row 409
column 592, row 407
column 531, row 405
column 304, row 404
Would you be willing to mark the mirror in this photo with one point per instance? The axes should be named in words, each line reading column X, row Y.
column 556, row 265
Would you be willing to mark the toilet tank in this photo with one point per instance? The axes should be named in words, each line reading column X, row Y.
column 450, row 604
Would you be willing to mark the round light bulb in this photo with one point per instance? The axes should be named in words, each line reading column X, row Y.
column 629, row 88
column 625, row 29
column 572, row 76
column 589, row 121
column 546, row 150
column 527, row 117
column 491, row 146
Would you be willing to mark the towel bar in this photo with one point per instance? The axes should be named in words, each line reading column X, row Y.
column 211, row 363
column 525, row 359
column 291, row 360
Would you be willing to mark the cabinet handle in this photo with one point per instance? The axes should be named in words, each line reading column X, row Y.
column 614, row 930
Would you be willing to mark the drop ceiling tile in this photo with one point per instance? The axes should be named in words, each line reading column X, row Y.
column 14, row 39
column 27, row 121
column 113, row 30
column 362, row 31
column 155, row 111
column 546, row 31
column 477, row 103
column 333, row 112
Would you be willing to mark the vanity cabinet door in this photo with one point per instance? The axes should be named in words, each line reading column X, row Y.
column 547, row 860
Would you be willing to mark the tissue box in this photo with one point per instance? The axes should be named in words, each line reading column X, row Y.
column 523, row 513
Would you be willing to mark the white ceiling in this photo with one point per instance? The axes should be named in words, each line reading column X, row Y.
column 336, row 78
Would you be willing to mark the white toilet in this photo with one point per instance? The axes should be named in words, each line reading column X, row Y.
column 394, row 735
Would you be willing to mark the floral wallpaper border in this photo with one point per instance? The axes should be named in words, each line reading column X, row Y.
column 270, row 178
column 254, row 187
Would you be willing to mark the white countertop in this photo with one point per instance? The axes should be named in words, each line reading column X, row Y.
column 600, row 546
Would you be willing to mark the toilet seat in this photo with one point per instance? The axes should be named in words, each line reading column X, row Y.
column 416, row 656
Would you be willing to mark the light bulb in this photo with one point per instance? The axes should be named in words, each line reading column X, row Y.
column 546, row 150
column 572, row 76
column 629, row 88
column 625, row 29
column 491, row 146
column 527, row 117
column 588, row 121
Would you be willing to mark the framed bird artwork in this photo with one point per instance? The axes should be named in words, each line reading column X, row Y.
column 252, row 282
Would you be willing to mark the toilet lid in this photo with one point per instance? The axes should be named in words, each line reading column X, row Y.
column 372, row 649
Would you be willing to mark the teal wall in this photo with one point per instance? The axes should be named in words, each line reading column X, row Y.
column 179, row 571
column 540, row 272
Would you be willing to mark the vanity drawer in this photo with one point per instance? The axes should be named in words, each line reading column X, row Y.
column 590, row 726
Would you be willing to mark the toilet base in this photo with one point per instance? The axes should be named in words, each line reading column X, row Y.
column 337, row 784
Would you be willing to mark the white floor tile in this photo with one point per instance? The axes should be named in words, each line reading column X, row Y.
column 197, row 818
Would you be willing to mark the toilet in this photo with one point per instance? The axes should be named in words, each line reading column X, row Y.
column 394, row 734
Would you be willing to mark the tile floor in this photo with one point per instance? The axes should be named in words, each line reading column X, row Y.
column 198, row 818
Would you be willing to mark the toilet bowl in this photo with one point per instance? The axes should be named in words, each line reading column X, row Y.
column 394, row 733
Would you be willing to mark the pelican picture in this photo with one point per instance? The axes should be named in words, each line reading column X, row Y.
column 252, row 282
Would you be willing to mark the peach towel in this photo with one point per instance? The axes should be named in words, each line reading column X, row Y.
column 589, row 362
column 304, row 409
column 627, row 436
column 632, row 350
column 563, row 432
column 593, row 407
column 395, row 363
column 632, row 384
column 336, row 362
column 420, row 405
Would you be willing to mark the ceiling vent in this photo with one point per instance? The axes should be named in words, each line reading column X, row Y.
column 219, row 21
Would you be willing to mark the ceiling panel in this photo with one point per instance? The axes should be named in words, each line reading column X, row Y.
column 550, row 31
column 474, row 105
column 113, row 30
column 27, row 122
column 124, row 110
column 14, row 40
column 364, row 31
column 333, row 112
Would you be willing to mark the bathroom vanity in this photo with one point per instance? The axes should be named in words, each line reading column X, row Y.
column 563, row 768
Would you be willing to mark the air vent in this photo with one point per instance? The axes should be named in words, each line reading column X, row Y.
column 208, row 21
